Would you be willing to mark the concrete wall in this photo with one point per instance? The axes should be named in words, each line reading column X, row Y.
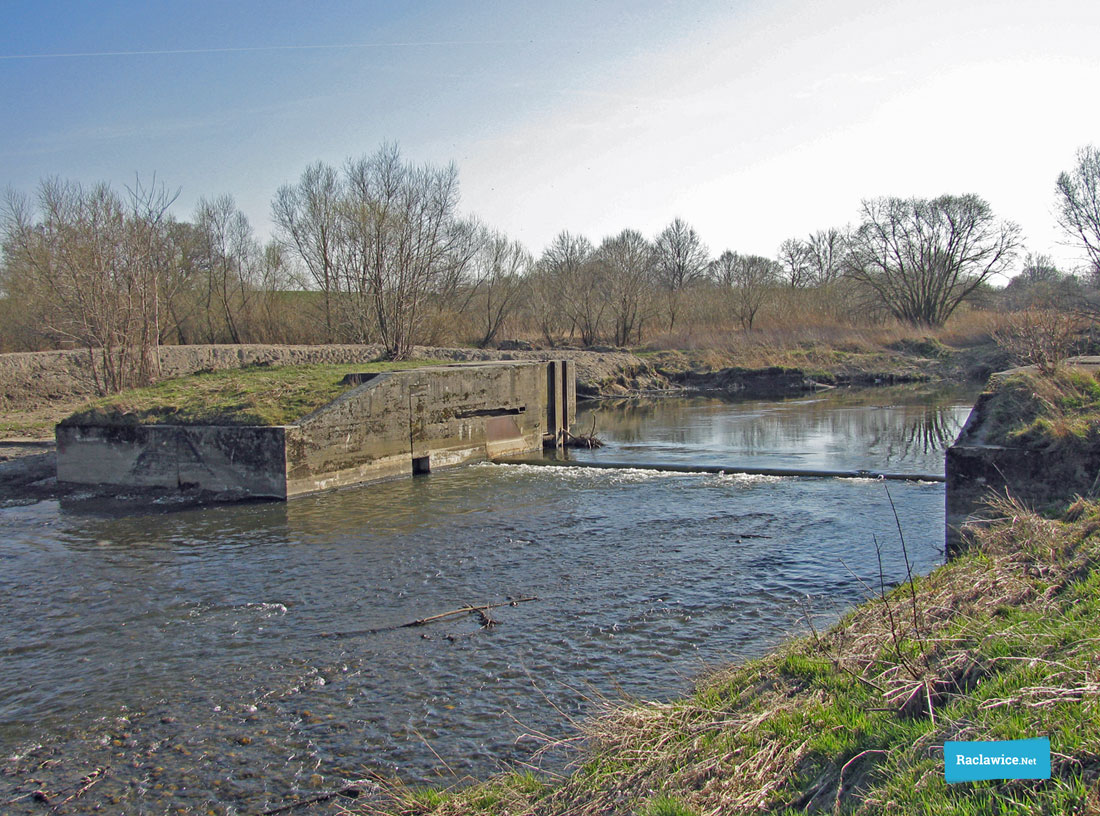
column 240, row 461
column 437, row 417
column 390, row 424
column 43, row 378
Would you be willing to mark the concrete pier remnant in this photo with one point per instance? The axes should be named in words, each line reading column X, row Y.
column 978, row 469
column 386, row 425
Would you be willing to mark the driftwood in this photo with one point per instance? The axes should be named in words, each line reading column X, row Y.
column 44, row 797
column 481, row 610
column 582, row 441
column 486, row 620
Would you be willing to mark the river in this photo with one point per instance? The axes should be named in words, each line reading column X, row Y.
column 230, row 659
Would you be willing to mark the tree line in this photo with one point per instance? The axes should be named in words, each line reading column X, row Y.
column 376, row 250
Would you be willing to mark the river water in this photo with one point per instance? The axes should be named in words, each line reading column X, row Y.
column 231, row 659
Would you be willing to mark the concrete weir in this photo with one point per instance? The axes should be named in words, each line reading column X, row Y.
column 391, row 424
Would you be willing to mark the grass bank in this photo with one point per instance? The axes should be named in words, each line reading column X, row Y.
column 1002, row 643
column 1058, row 413
column 254, row 395
column 38, row 390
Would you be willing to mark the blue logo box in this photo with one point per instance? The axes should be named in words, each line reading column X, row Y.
column 1006, row 759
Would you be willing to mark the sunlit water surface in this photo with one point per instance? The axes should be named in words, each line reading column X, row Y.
column 227, row 659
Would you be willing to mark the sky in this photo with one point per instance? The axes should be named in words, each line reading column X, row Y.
column 753, row 121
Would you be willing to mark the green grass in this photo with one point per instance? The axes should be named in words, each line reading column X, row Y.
column 668, row 806
column 1059, row 411
column 255, row 395
column 20, row 426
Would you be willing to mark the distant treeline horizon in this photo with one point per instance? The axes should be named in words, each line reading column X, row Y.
column 376, row 251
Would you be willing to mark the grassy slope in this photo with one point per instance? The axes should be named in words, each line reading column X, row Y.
column 1003, row 643
column 1060, row 412
column 257, row 395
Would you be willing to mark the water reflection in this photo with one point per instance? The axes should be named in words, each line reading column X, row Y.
column 904, row 428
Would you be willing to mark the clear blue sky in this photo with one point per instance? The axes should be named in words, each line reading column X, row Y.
column 754, row 121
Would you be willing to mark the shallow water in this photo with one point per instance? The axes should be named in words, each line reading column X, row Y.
column 227, row 659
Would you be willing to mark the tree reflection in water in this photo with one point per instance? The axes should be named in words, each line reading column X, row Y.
column 905, row 428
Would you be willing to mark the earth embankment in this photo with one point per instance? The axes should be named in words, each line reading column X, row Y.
column 30, row 380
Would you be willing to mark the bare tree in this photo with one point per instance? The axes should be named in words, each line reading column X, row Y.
column 749, row 280
column 568, row 264
column 543, row 301
column 1040, row 285
column 817, row 261
column 274, row 311
column 1040, row 337
column 499, row 269
column 99, row 261
column 794, row 257
column 307, row 216
column 454, row 288
column 627, row 261
column 826, row 253
column 231, row 261
column 182, row 291
column 1079, row 203
column 923, row 257
column 680, row 259
column 405, row 237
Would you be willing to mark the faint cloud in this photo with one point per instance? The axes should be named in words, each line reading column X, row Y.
column 840, row 81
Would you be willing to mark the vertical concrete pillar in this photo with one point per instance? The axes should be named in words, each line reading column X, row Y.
column 419, row 397
column 569, row 393
column 555, row 405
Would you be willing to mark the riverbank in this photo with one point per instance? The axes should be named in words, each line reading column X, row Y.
column 39, row 389
column 999, row 644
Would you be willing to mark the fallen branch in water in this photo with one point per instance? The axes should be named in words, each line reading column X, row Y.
column 466, row 610
column 42, row 796
column 86, row 784
column 481, row 609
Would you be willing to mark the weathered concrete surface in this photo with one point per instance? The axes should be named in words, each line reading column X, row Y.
column 390, row 424
column 238, row 460
column 976, row 470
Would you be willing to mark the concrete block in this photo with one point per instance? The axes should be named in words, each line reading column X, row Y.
column 388, row 425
